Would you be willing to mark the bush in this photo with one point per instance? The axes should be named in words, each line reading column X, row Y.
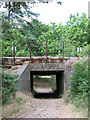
column 8, row 86
column 23, row 53
column 85, row 51
column 79, row 84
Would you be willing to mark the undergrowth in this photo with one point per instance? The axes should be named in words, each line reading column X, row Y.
column 78, row 93
column 12, row 107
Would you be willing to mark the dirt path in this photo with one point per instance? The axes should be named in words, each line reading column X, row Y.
column 47, row 108
column 43, row 87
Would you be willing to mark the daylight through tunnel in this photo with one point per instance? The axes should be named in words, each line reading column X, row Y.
column 54, row 79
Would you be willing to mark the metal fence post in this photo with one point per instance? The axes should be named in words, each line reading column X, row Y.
column 14, row 55
column 46, row 52
column 63, row 48
column 30, row 50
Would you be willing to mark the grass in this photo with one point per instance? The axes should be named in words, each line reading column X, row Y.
column 12, row 107
column 76, row 109
column 42, row 79
column 45, row 79
column 82, row 111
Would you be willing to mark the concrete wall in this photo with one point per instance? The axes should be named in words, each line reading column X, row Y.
column 25, row 84
column 24, row 75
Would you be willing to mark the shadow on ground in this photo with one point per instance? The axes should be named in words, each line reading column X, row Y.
column 47, row 95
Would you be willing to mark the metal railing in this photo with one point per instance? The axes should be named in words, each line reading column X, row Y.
column 46, row 52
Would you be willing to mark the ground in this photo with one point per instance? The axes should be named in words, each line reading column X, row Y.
column 13, row 69
column 46, row 108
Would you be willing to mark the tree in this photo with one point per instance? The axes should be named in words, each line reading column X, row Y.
column 74, row 34
column 18, row 37
column 8, row 86
column 16, row 29
column 35, row 34
column 77, row 29
column 18, row 9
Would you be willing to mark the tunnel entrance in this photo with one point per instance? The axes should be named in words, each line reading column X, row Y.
column 56, row 77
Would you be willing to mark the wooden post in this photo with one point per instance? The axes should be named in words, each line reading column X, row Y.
column 63, row 48
column 14, row 96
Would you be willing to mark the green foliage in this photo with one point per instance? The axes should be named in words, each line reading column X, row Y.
column 79, row 84
column 53, row 40
column 18, row 10
column 8, row 86
column 20, row 38
column 24, row 34
column 85, row 51
column 38, row 28
column 74, row 34
column 14, row 38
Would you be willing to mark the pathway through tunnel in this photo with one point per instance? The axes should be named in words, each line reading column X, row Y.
column 46, row 84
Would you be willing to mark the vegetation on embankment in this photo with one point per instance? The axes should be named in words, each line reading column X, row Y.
column 8, row 86
column 10, row 105
column 78, row 93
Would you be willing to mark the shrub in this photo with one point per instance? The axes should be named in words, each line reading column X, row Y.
column 79, row 84
column 8, row 86
column 85, row 51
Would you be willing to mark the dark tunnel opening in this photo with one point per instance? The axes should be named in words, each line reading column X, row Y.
column 59, row 89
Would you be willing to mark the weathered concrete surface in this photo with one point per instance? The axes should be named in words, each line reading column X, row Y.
column 22, row 70
column 25, row 83
column 46, row 67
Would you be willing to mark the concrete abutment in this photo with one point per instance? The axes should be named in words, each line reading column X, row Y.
column 28, row 70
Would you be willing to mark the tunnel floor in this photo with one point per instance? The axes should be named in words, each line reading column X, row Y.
column 53, row 94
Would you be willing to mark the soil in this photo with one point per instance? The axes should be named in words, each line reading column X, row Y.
column 46, row 108
column 13, row 69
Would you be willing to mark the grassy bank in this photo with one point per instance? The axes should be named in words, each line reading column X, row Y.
column 12, row 107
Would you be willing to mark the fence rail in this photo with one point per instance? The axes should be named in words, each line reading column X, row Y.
column 46, row 52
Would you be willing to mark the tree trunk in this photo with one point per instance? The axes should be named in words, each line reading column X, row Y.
column 9, row 11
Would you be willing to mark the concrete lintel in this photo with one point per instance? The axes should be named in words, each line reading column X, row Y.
column 46, row 66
